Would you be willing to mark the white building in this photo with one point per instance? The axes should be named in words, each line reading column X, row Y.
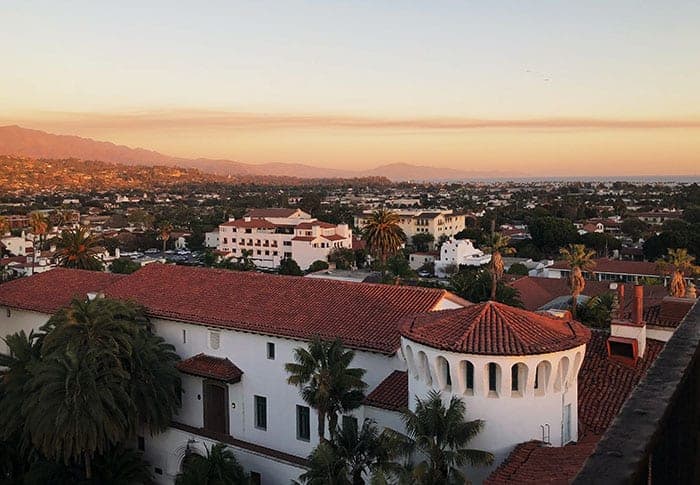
column 270, row 235
column 438, row 222
column 17, row 245
column 516, row 370
column 456, row 252
column 211, row 239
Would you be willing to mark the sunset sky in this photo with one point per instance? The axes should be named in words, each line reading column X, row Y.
column 538, row 88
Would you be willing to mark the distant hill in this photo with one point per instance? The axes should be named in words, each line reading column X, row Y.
column 15, row 140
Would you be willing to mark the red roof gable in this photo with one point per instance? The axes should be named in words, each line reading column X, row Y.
column 391, row 393
column 202, row 365
column 363, row 315
column 52, row 290
column 493, row 328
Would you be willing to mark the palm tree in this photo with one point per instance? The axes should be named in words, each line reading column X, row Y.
column 497, row 246
column 352, row 455
column 678, row 262
column 121, row 466
column 579, row 260
column 218, row 467
column 4, row 226
column 440, row 434
column 326, row 381
column 77, row 248
column 40, row 227
column 164, row 230
column 383, row 234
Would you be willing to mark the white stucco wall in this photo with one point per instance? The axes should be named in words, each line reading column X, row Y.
column 12, row 321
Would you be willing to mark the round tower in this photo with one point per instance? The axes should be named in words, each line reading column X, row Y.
column 515, row 369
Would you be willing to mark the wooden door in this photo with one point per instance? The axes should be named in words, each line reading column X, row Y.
column 216, row 407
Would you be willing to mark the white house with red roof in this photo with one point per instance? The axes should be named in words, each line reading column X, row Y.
column 517, row 370
column 270, row 235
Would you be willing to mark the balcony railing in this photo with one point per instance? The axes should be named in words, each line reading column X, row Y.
column 655, row 438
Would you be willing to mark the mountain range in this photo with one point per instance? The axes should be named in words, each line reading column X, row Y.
column 16, row 140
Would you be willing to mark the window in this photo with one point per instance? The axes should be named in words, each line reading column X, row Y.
column 514, row 374
column 141, row 443
column 493, row 377
column 225, row 240
column 184, row 336
column 567, row 424
column 470, row 376
column 288, row 255
column 214, row 340
column 270, row 350
column 261, row 412
column 287, row 243
column 303, row 423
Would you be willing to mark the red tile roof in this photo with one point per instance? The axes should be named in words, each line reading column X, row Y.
column 202, row 365
column 52, row 290
column 617, row 266
column 251, row 224
column 391, row 393
column 672, row 311
column 321, row 224
column 493, row 328
column 363, row 315
column 333, row 237
column 604, row 386
column 304, row 238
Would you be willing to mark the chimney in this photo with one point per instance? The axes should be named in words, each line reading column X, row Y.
column 628, row 337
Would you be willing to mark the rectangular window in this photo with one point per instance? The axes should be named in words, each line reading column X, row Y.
column 567, row 424
column 303, row 423
column 470, row 376
column 184, row 336
column 261, row 412
column 514, row 378
column 270, row 350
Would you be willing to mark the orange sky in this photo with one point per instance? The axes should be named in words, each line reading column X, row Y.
column 566, row 89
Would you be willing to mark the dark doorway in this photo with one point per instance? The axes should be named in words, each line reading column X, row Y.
column 216, row 407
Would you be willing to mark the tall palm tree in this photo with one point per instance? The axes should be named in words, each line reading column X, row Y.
column 679, row 263
column 39, row 224
column 353, row 455
column 218, row 467
column 4, row 226
column 326, row 381
column 383, row 234
column 579, row 260
column 77, row 248
column 497, row 247
column 441, row 434
column 164, row 230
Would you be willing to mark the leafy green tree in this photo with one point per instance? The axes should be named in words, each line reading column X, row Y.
column 399, row 267
column 317, row 266
column 440, row 434
column 474, row 284
column 423, row 241
column 518, row 269
column 326, row 381
column 602, row 243
column 634, row 227
column 290, row 267
column 77, row 248
column 343, row 258
column 597, row 311
column 218, row 467
column 551, row 233
column 383, row 234
column 121, row 466
column 124, row 266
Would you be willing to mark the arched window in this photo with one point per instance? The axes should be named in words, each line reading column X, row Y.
column 494, row 377
column 468, row 369
column 443, row 369
column 424, row 368
column 562, row 374
column 542, row 373
column 518, row 379
column 408, row 354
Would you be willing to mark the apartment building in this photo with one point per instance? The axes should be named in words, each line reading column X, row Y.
column 438, row 222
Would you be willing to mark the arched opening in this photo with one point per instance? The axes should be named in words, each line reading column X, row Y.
column 408, row 354
column 424, row 368
column 542, row 373
column 493, row 373
column 560, row 381
column 467, row 370
column 443, row 373
column 518, row 379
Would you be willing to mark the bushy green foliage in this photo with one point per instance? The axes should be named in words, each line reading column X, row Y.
column 290, row 267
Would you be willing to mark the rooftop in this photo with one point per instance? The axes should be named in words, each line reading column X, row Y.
column 391, row 393
column 202, row 365
column 493, row 328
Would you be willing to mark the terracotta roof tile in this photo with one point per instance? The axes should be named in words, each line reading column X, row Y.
column 52, row 290
column 251, row 224
column 321, row 224
column 494, row 329
column 391, row 393
column 363, row 315
column 203, row 365
column 271, row 212
column 605, row 265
